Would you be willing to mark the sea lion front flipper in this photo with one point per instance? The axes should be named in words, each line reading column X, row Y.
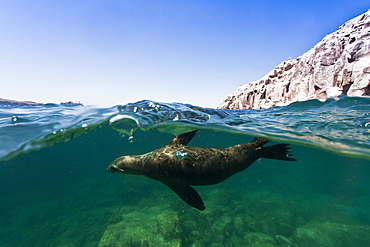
column 183, row 139
column 188, row 195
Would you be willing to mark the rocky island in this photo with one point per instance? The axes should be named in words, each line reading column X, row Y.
column 10, row 102
column 338, row 65
column 17, row 102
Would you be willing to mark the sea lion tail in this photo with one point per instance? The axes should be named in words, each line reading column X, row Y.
column 277, row 152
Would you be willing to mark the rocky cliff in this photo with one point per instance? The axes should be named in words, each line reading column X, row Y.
column 338, row 64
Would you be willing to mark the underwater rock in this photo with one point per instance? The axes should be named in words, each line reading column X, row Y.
column 264, row 223
column 169, row 226
column 197, row 244
column 141, row 228
column 194, row 236
column 114, row 219
column 271, row 220
column 332, row 235
column 189, row 225
column 237, row 241
column 117, row 236
column 223, row 225
column 254, row 239
column 221, row 199
column 282, row 241
column 240, row 226
column 273, row 215
column 338, row 65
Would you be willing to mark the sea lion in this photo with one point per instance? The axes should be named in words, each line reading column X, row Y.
column 178, row 166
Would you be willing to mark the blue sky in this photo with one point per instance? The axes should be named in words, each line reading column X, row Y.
column 115, row 52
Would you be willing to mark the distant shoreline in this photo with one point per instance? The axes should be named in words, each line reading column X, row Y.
column 17, row 102
column 31, row 103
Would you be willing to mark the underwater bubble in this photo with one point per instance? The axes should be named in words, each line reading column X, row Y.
column 124, row 124
column 84, row 125
column 131, row 139
column 181, row 155
column 14, row 119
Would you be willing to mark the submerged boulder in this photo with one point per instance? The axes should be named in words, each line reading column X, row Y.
column 169, row 226
column 144, row 229
column 255, row 239
column 338, row 65
column 274, row 215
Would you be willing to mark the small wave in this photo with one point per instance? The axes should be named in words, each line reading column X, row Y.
column 339, row 125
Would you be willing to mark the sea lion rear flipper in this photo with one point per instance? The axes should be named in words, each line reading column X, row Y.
column 183, row 139
column 277, row 152
column 188, row 195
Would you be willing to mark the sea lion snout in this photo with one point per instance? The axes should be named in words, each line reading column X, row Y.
column 125, row 164
column 115, row 167
column 112, row 168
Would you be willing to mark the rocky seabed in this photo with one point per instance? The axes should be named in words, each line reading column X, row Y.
column 260, row 219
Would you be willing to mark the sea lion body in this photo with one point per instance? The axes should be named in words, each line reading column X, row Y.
column 202, row 166
column 179, row 166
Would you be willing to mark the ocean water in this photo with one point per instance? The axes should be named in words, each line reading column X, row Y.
column 55, row 190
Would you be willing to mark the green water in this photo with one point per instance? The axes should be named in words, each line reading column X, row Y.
column 62, row 195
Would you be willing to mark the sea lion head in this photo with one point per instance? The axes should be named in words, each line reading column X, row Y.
column 126, row 164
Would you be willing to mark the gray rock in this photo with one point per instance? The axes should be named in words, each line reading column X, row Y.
column 338, row 65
